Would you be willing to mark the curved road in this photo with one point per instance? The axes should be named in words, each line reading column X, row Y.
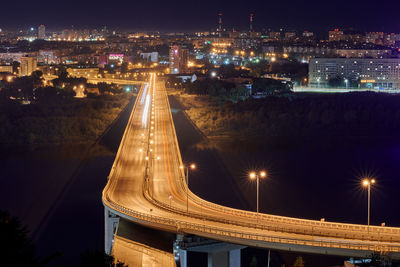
column 147, row 185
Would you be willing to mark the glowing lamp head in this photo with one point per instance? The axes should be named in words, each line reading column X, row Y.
column 263, row 174
column 372, row 181
column 252, row 175
column 365, row 182
column 192, row 166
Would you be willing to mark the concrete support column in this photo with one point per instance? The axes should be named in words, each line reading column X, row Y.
column 110, row 225
column 224, row 258
column 178, row 251
column 183, row 258
column 234, row 258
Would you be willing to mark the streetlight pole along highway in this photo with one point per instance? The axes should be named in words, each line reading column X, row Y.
column 254, row 175
column 367, row 182
column 192, row 167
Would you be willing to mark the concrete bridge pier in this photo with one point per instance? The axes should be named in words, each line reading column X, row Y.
column 219, row 254
column 230, row 258
column 110, row 225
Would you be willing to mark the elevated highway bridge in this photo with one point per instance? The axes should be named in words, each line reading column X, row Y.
column 147, row 186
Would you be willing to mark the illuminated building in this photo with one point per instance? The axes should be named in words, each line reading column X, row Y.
column 308, row 34
column 374, row 37
column 10, row 57
column 314, row 51
column 6, row 68
column 115, row 58
column 28, row 65
column 275, row 35
column 254, row 34
column 42, row 32
column 151, row 56
column 234, row 34
column 370, row 73
column 290, row 35
column 47, row 57
column 336, row 35
column 83, row 72
column 363, row 53
column 178, row 59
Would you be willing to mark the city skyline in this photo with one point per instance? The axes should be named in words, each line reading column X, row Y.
column 196, row 17
column 193, row 134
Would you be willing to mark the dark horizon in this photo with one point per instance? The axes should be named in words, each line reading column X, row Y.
column 180, row 16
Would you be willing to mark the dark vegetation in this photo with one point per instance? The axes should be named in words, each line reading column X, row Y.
column 217, row 88
column 271, row 86
column 305, row 119
column 293, row 69
column 16, row 248
column 32, row 113
column 64, row 120
column 226, row 91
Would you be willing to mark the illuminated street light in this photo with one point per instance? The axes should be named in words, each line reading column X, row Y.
column 367, row 182
column 254, row 175
column 192, row 166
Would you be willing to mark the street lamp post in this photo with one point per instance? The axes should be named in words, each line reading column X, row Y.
column 254, row 175
column 192, row 167
column 367, row 183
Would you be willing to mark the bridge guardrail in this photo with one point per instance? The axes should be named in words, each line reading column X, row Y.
column 267, row 227
column 195, row 228
column 273, row 218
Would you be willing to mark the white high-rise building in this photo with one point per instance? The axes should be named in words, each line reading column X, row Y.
column 42, row 32
column 381, row 73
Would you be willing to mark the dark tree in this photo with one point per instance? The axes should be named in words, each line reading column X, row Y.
column 37, row 79
column 16, row 248
column 124, row 67
column 15, row 65
column 47, row 93
column 271, row 86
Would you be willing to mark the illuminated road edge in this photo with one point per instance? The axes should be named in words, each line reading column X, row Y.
column 233, row 225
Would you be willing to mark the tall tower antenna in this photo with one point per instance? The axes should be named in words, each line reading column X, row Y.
column 219, row 22
column 251, row 21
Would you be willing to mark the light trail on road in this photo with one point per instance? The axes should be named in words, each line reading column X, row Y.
column 144, row 93
column 146, row 111
column 141, row 184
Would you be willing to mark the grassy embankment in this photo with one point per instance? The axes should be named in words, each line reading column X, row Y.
column 302, row 119
column 67, row 121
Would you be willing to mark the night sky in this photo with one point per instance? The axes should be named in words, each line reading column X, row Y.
column 314, row 15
